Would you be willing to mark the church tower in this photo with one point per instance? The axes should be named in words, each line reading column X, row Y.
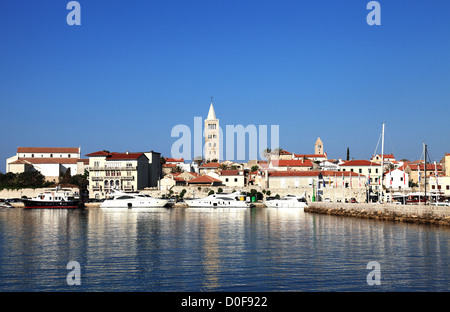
column 318, row 147
column 212, row 143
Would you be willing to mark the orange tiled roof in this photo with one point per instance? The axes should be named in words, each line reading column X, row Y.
column 204, row 179
column 47, row 150
column 292, row 163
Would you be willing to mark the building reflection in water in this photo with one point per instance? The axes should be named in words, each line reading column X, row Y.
column 222, row 249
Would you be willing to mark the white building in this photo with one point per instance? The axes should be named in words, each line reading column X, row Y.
column 49, row 161
column 396, row 180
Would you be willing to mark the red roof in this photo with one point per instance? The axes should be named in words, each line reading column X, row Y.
column 204, row 179
column 310, row 155
column 174, row 160
column 99, row 153
column 119, row 156
column 169, row 165
column 292, row 163
column 211, row 165
column 53, row 160
column 359, row 163
column 229, row 172
column 48, row 150
column 313, row 173
column 430, row 167
column 116, row 156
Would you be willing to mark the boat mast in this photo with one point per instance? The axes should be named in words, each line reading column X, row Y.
column 382, row 161
column 425, row 170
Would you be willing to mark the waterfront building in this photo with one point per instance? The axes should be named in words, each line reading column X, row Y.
column 371, row 170
column 232, row 178
column 439, row 185
column 396, row 179
column 212, row 133
column 446, row 164
column 291, row 164
column 127, row 172
column 51, row 162
column 321, row 179
column 209, row 167
column 414, row 169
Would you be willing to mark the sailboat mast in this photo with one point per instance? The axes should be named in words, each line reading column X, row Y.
column 425, row 170
column 382, row 161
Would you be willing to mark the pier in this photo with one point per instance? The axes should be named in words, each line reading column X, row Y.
column 423, row 214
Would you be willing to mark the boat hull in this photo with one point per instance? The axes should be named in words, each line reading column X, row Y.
column 133, row 204
column 285, row 204
column 219, row 204
column 51, row 204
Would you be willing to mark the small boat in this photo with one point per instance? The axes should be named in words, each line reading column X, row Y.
column 220, row 200
column 118, row 199
column 54, row 198
column 5, row 204
column 288, row 201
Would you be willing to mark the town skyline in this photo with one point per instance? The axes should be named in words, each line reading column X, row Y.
column 129, row 73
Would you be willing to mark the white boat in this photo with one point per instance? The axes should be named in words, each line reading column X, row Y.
column 220, row 200
column 118, row 199
column 54, row 198
column 288, row 201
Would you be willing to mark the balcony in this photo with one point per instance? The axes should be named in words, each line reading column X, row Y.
column 123, row 178
column 104, row 168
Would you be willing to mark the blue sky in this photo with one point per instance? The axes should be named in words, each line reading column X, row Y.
column 135, row 69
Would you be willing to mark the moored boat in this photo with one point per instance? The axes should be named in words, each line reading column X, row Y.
column 54, row 198
column 288, row 201
column 118, row 199
column 220, row 200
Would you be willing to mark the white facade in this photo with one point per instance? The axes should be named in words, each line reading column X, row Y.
column 396, row 180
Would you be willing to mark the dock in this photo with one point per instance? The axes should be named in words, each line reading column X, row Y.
column 423, row 214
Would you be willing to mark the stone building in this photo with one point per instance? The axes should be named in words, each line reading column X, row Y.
column 212, row 132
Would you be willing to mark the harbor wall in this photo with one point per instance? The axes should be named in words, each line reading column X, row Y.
column 424, row 214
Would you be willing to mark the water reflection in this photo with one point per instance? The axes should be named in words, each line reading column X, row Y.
column 223, row 249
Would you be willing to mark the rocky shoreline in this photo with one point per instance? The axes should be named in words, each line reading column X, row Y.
column 421, row 215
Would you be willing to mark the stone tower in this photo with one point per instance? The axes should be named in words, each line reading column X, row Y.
column 212, row 146
column 318, row 147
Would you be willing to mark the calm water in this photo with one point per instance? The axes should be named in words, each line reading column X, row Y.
column 216, row 250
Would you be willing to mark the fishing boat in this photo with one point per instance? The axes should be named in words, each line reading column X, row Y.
column 222, row 200
column 288, row 201
column 54, row 198
column 119, row 199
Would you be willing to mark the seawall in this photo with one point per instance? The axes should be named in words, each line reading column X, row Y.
column 399, row 213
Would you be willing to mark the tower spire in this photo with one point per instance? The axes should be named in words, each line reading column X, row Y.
column 211, row 113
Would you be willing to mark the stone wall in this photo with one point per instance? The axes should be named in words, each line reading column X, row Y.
column 402, row 213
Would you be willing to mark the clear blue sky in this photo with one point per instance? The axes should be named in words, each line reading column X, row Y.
column 135, row 69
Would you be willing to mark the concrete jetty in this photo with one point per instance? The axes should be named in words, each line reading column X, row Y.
column 424, row 214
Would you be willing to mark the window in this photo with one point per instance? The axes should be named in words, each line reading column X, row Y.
column 32, row 155
column 376, row 170
column 235, row 179
column 226, row 179
column 360, row 170
column 51, row 155
column 370, row 170
column 447, row 187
